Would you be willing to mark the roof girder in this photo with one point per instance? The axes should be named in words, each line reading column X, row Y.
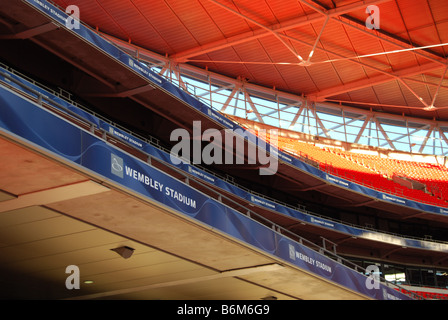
column 269, row 30
column 370, row 82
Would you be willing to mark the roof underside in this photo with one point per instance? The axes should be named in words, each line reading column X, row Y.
column 269, row 43
column 28, row 248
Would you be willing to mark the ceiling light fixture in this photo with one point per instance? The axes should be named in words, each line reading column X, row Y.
column 124, row 251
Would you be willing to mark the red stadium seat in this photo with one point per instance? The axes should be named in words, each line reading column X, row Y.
column 375, row 171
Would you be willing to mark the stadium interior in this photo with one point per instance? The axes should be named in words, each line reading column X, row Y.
column 349, row 121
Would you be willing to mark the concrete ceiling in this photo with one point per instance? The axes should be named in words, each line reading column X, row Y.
column 53, row 216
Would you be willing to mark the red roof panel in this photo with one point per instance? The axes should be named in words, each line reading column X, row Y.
column 270, row 31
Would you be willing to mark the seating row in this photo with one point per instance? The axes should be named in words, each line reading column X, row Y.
column 376, row 172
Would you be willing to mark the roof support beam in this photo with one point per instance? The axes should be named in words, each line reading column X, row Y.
column 376, row 80
column 428, row 134
column 438, row 88
column 345, row 123
column 229, row 98
column 254, row 108
column 179, row 78
column 402, row 44
column 409, row 133
column 283, row 97
column 379, row 34
column 379, row 126
column 366, row 121
column 317, row 41
column 414, row 93
column 232, row 86
column 319, row 122
column 267, row 31
column 442, row 135
column 297, row 115
column 282, row 109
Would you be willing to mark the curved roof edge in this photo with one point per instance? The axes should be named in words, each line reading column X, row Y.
column 297, row 113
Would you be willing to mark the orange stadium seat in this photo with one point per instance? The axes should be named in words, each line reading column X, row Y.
column 375, row 171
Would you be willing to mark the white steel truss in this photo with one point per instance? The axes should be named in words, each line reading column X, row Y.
column 293, row 112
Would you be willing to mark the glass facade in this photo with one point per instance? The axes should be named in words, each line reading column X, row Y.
column 321, row 119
